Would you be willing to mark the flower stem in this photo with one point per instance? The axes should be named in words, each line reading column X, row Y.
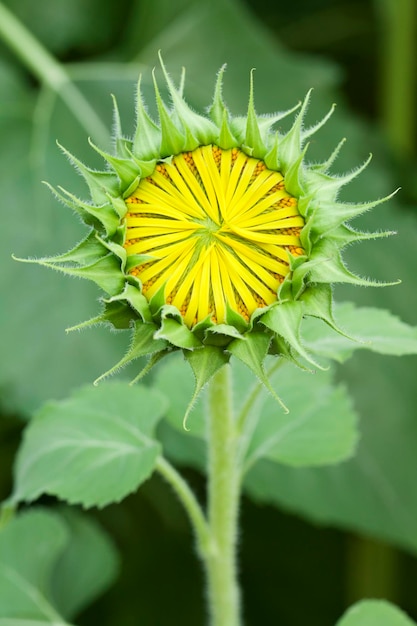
column 189, row 502
column 51, row 73
column 223, row 504
column 398, row 72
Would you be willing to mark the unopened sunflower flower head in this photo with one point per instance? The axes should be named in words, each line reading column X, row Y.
column 213, row 235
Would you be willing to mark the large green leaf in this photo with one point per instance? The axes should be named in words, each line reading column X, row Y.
column 100, row 444
column 375, row 329
column 29, row 548
column 51, row 565
column 85, row 568
column 375, row 613
column 320, row 428
column 371, row 493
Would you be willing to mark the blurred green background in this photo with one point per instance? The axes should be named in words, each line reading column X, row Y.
column 305, row 561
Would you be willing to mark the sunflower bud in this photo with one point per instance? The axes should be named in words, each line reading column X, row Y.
column 213, row 235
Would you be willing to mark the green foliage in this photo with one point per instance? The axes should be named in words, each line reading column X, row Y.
column 374, row 329
column 100, row 444
column 87, row 545
column 320, row 427
column 372, row 491
column 38, row 559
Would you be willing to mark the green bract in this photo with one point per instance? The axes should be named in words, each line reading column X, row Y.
column 212, row 235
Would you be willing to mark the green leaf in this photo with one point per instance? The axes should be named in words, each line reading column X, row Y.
column 29, row 548
column 100, row 443
column 375, row 329
column 86, row 567
column 375, row 613
column 51, row 564
column 320, row 429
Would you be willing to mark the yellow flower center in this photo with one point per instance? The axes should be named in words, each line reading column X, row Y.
column 218, row 225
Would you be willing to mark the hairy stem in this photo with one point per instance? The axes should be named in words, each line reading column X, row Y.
column 51, row 73
column 189, row 502
column 223, row 504
column 398, row 73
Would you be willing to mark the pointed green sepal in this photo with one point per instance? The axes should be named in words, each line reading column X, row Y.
column 345, row 235
column 331, row 215
column 285, row 320
column 272, row 157
column 123, row 148
column 118, row 314
column 146, row 168
column 118, row 205
column 127, row 171
column 253, row 138
column 221, row 335
column 326, row 266
column 322, row 183
column 136, row 300
column 294, row 183
column 233, row 318
column 147, row 137
column 218, row 107
column 190, row 141
column 118, row 251
column 172, row 139
column 105, row 272
column 298, row 281
column 87, row 251
column 285, row 290
column 252, row 350
column 157, row 302
column 279, row 347
column 226, row 138
column 266, row 122
column 177, row 334
column 197, row 128
column 153, row 360
column 92, row 215
column 143, row 343
column 133, row 260
column 308, row 132
column 117, row 123
column 318, row 302
column 99, row 183
column 204, row 363
column 291, row 143
column 122, row 145
column 182, row 82
column 325, row 165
